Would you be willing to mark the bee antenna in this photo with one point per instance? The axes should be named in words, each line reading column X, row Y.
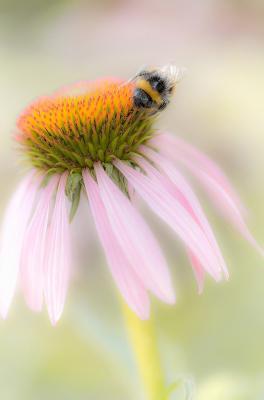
column 134, row 76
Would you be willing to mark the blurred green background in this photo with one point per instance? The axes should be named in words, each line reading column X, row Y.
column 215, row 339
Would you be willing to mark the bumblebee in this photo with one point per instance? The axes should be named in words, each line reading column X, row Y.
column 154, row 87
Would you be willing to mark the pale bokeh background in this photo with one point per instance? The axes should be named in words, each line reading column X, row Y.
column 217, row 338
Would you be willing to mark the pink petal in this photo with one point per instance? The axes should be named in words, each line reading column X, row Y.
column 198, row 271
column 185, row 195
column 186, row 152
column 58, row 257
column 157, row 194
column 211, row 177
column 13, row 230
column 34, row 246
column 135, row 238
column 127, row 281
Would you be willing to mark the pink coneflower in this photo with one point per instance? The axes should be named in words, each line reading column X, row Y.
column 99, row 137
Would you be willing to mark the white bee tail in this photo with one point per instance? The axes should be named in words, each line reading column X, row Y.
column 175, row 73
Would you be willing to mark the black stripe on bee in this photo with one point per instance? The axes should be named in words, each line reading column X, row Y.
column 142, row 99
column 157, row 83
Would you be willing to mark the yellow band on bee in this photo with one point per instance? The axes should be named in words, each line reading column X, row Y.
column 146, row 86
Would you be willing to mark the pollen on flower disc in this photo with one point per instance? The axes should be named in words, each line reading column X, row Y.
column 87, row 122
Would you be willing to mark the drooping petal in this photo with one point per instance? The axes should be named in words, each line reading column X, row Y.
column 126, row 279
column 34, row 247
column 198, row 271
column 135, row 238
column 157, row 195
column 212, row 179
column 58, row 255
column 185, row 195
column 194, row 159
column 12, row 234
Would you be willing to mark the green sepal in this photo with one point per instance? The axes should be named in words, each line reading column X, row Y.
column 117, row 177
column 46, row 178
column 73, row 191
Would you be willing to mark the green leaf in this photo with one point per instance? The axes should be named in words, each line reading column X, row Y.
column 181, row 389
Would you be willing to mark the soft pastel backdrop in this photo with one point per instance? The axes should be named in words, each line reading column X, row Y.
column 216, row 339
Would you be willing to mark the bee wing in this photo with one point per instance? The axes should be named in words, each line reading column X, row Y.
column 175, row 74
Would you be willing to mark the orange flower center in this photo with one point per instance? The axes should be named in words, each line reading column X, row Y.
column 82, row 124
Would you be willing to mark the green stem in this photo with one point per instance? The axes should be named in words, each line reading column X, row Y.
column 144, row 344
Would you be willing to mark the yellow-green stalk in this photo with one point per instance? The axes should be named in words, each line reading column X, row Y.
column 143, row 341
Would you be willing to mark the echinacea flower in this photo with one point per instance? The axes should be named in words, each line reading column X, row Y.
column 92, row 137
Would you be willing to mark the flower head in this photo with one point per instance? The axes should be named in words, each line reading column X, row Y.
column 96, row 123
column 99, row 137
